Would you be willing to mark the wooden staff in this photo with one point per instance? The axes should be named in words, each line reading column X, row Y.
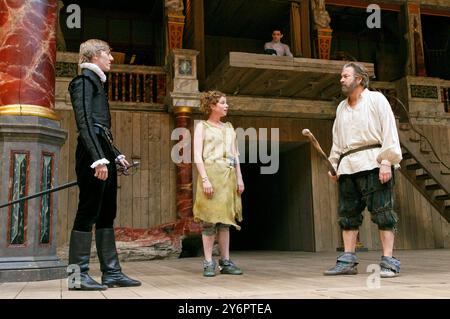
column 316, row 145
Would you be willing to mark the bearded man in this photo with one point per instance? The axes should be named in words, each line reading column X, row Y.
column 365, row 152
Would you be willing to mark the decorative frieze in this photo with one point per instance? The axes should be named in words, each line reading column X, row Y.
column 424, row 91
column 66, row 69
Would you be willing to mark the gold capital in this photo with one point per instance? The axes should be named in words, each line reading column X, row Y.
column 28, row 110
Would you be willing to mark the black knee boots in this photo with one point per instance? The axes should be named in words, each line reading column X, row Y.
column 112, row 275
column 79, row 253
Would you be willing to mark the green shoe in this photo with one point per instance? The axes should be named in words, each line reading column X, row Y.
column 209, row 268
column 228, row 267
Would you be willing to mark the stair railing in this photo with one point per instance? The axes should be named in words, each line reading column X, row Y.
column 416, row 130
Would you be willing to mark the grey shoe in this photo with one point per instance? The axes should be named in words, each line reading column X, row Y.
column 228, row 267
column 345, row 265
column 209, row 268
column 390, row 267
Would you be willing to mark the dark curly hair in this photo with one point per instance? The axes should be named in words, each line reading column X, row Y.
column 209, row 99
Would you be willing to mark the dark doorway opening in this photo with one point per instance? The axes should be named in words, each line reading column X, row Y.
column 436, row 43
column 277, row 208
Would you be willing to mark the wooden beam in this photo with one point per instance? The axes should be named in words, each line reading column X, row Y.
column 435, row 12
column 305, row 26
column 363, row 4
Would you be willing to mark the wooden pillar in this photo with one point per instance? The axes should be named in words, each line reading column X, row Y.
column 296, row 41
column 195, row 33
column 413, row 34
column 305, row 28
column 300, row 29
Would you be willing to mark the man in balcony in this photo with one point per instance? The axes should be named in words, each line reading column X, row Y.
column 365, row 151
column 95, row 166
column 275, row 47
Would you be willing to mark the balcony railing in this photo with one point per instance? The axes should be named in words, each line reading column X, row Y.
column 127, row 86
column 136, row 84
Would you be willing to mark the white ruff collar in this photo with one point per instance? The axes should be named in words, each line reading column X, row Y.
column 94, row 68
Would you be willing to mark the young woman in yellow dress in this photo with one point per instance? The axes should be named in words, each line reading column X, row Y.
column 219, row 185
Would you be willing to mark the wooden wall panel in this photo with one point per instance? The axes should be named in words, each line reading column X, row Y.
column 145, row 198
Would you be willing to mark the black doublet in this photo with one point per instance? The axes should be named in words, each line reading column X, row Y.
column 91, row 107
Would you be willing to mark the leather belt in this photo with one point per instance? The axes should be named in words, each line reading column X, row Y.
column 99, row 128
column 359, row 149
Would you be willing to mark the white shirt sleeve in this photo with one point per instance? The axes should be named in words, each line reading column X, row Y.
column 288, row 51
column 121, row 156
column 390, row 153
column 99, row 162
column 336, row 151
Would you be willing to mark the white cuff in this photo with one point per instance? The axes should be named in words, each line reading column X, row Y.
column 386, row 162
column 121, row 156
column 99, row 162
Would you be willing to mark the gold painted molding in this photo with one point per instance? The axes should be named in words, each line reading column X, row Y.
column 182, row 109
column 28, row 110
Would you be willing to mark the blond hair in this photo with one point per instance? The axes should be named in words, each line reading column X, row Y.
column 209, row 99
column 91, row 48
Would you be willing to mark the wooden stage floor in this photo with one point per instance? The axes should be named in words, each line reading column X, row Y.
column 267, row 274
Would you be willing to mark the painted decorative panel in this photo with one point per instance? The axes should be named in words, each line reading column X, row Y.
column 46, row 213
column 17, row 225
column 424, row 91
column 66, row 69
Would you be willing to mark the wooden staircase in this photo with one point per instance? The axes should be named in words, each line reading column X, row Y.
column 423, row 169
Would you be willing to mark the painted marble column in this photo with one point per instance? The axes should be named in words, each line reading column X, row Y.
column 184, row 170
column 27, row 57
column 30, row 141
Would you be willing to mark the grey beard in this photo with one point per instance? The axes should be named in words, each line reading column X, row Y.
column 347, row 90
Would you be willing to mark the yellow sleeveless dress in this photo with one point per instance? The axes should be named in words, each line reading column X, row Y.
column 225, row 206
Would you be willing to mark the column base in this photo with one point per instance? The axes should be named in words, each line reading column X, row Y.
column 29, row 161
column 32, row 270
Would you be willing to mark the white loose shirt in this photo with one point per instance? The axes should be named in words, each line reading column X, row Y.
column 281, row 48
column 370, row 121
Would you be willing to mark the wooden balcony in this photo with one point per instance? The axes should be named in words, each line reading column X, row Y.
column 136, row 85
column 129, row 87
column 275, row 76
